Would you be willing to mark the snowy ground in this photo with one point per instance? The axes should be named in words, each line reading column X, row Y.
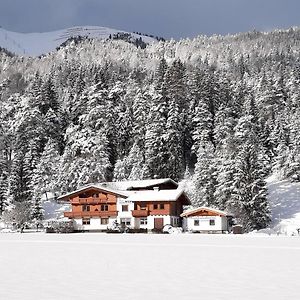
column 284, row 197
column 125, row 266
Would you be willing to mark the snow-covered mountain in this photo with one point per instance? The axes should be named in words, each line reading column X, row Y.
column 35, row 44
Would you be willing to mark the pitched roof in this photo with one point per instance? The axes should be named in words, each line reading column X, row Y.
column 159, row 195
column 124, row 189
column 95, row 186
column 213, row 210
column 128, row 185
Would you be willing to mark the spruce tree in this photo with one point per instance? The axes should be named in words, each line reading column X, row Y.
column 204, row 178
column 3, row 193
column 249, row 198
column 175, row 124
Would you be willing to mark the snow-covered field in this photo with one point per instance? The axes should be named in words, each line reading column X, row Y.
column 126, row 266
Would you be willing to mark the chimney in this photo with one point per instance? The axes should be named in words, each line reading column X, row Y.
column 156, row 188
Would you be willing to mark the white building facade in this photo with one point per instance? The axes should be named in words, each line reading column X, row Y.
column 208, row 220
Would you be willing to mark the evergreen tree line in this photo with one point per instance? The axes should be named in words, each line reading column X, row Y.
column 219, row 123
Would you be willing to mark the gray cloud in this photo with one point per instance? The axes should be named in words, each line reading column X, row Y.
column 168, row 18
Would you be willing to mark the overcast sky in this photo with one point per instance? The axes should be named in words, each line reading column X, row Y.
column 167, row 18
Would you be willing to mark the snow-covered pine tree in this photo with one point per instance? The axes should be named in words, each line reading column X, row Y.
column 37, row 211
column 175, row 125
column 3, row 193
column 289, row 155
column 225, row 122
column 155, row 146
column 155, row 150
column 204, row 178
column 202, row 118
column 136, row 160
column 249, row 200
column 45, row 175
column 20, row 177
column 3, row 174
column 87, row 154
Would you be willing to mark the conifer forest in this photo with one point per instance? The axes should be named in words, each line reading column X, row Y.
column 218, row 114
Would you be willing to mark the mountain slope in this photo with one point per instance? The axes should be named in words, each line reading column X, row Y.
column 35, row 44
column 285, row 205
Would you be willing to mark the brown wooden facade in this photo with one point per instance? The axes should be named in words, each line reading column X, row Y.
column 92, row 203
column 171, row 208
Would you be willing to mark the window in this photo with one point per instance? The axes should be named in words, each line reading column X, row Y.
column 86, row 208
column 174, row 222
column 125, row 221
column 143, row 221
column 104, row 221
column 86, row 221
column 143, row 206
column 124, row 207
column 196, row 223
column 159, row 206
column 104, row 207
column 212, row 222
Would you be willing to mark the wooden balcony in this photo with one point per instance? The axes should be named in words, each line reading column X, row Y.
column 140, row 213
column 92, row 200
column 84, row 214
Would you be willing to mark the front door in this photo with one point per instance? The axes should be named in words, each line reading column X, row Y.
column 158, row 223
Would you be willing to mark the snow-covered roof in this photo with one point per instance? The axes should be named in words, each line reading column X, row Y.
column 159, row 195
column 202, row 208
column 124, row 189
column 128, row 185
column 95, row 186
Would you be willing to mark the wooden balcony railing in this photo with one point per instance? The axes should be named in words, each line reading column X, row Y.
column 82, row 214
column 92, row 200
column 160, row 212
column 140, row 213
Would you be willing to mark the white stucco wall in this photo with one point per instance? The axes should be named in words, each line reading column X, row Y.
column 138, row 225
column 125, row 214
column 204, row 224
column 95, row 224
column 168, row 220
